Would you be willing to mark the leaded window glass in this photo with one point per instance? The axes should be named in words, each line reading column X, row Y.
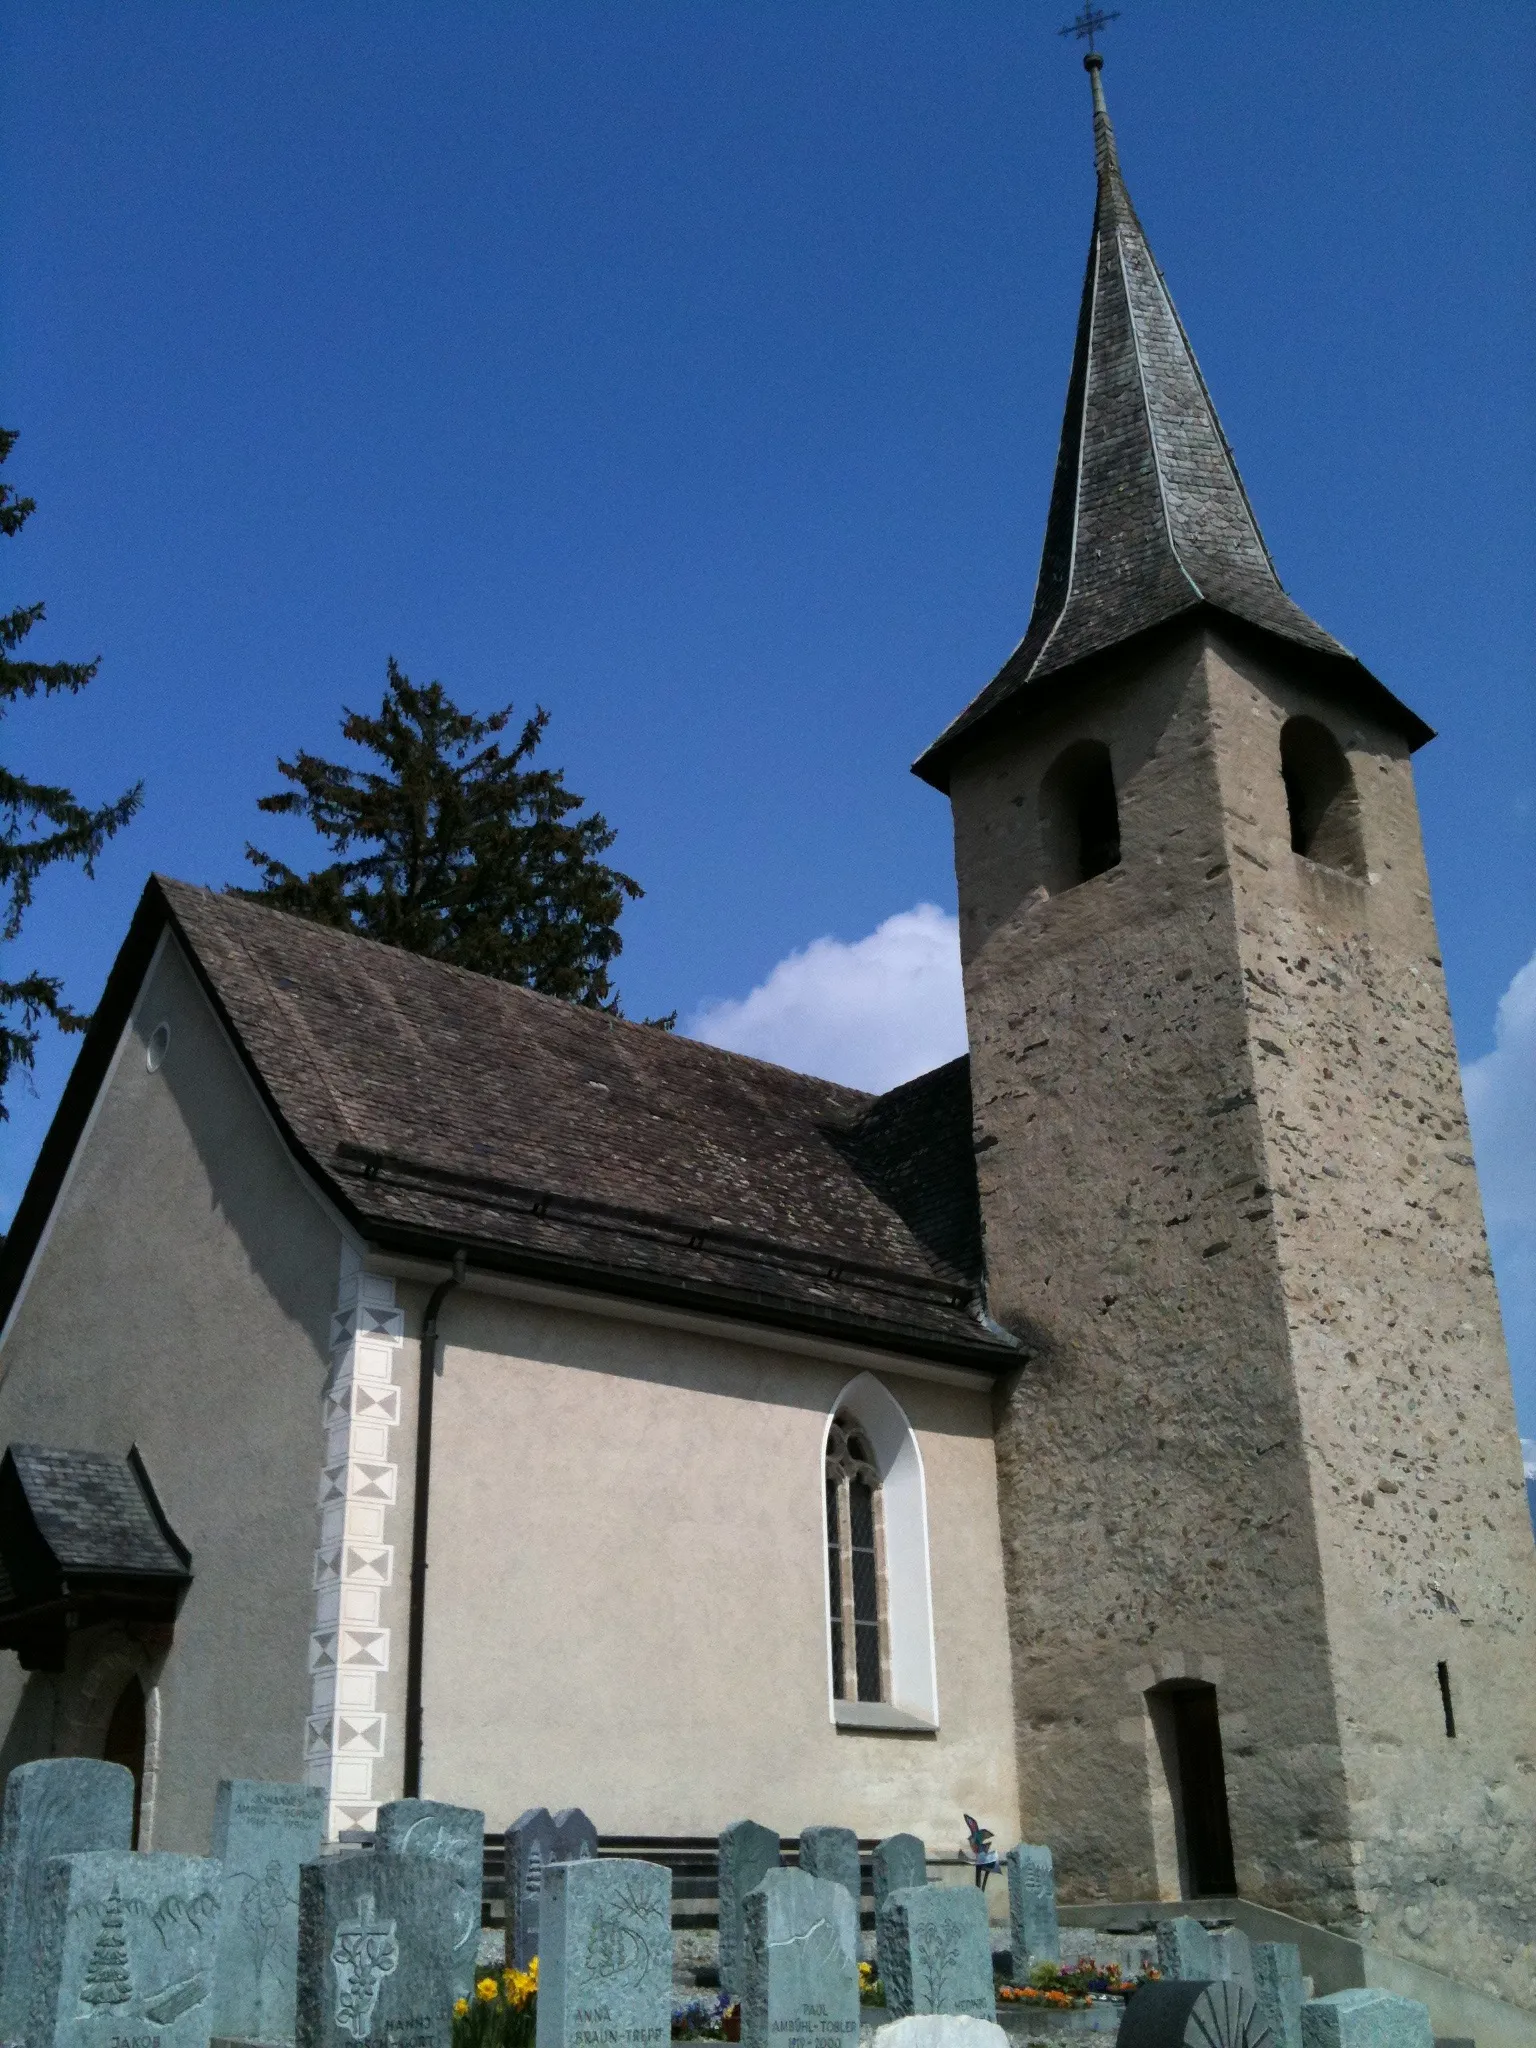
column 855, row 1565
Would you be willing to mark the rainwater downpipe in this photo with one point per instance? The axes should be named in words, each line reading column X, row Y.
column 420, row 1506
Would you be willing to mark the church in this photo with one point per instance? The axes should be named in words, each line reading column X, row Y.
column 424, row 1386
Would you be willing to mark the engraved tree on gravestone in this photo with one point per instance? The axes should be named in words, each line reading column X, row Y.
column 108, row 1980
column 363, row 1954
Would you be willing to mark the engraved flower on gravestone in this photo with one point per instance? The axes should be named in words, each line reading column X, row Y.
column 108, row 1981
column 620, row 1939
column 937, row 1952
column 363, row 1954
column 263, row 1909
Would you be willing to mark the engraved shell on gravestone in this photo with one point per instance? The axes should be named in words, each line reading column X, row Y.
column 748, row 1851
column 530, row 1844
column 262, row 1834
column 935, row 1950
column 898, row 1864
column 376, row 1951
column 1034, row 1933
column 124, row 1951
column 801, row 1967
column 56, row 1807
column 605, row 1967
column 1189, row 2015
column 455, row 1837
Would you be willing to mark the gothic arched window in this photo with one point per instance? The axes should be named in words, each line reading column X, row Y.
column 1321, row 797
column 855, row 1565
column 1079, row 816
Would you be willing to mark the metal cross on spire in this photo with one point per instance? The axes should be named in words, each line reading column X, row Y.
column 1089, row 23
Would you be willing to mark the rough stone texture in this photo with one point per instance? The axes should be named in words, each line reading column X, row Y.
column 123, row 1951
column 53, row 1808
column 1228, row 1201
column 605, row 1969
column 453, row 1836
column 376, row 1952
column 262, row 1833
column 1033, row 1931
column 1278, row 1990
column 530, row 1846
column 1365, row 2019
column 832, row 1853
column 1232, row 1955
column 748, row 1851
column 1185, row 1950
column 940, row 2030
column 935, row 1949
column 898, row 1864
column 801, row 1985
column 1192, row 2016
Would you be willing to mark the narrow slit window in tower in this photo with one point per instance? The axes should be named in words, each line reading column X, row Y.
column 1188, row 1730
column 1321, row 797
column 1079, row 816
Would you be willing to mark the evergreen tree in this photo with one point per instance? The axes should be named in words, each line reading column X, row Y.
column 40, row 823
column 107, row 1980
column 455, row 848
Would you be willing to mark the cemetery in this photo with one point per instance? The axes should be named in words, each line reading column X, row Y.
column 281, row 1939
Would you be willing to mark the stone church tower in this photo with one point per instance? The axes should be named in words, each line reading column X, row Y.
column 1271, row 1575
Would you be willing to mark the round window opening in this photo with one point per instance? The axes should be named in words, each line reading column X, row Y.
column 159, row 1046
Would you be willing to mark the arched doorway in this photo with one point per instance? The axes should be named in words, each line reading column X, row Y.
column 124, row 1742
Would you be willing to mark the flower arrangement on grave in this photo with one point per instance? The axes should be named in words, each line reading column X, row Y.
column 713, row 2017
column 871, row 1990
column 503, row 2012
column 1071, row 1989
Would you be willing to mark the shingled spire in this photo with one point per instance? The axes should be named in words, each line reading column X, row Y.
column 1148, row 517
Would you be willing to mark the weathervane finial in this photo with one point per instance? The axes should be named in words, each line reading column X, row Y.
column 1089, row 23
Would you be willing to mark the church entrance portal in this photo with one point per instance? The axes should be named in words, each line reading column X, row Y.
column 125, row 1742
column 1189, row 1734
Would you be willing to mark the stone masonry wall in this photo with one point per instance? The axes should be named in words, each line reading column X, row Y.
column 1154, row 1490
column 1404, row 1391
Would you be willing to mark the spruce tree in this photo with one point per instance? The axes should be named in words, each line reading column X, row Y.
column 455, row 847
column 40, row 822
column 108, row 1980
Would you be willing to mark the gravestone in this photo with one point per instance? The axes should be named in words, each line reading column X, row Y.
column 453, row 1836
column 376, row 1962
column 1188, row 2015
column 1232, row 1953
column 1365, row 2019
column 747, row 1853
column 898, row 1864
column 53, row 1808
column 1184, row 1950
column 261, row 1834
column 1034, row 1934
column 940, row 2030
column 605, row 1968
column 832, row 1853
column 575, row 1836
column 801, row 1964
column 935, row 1951
column 530, row 1849
column 124, row 1950
column 1278, row 1990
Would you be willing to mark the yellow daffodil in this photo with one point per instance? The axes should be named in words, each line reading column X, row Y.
column 486, row 1989
column 460, row 2007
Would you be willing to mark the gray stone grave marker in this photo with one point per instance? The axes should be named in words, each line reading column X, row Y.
column 898, row 1864
column 53, row 1808
column 748, row 1851
column 940, row 2030
column 575, row 1836
column 801, row 1964
column 453, row 1836
column 935, row 1952
column 1278, row 1990
column 123, row 1951
column 261, row 1834
column 1190, row 2015
column 1233, row 1955
column 376, row 1952
column 605, row 1967
column 832, row 1853
column 530, row 1849
column 1184, row 1950
column 1034, row 1934
column 1364, row 2019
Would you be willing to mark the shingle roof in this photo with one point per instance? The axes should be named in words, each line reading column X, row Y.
column 1148, row 516
column 437, row 1105
column 93, row 1512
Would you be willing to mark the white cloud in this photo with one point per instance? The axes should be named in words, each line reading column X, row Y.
column 1528, row 1453
column 1501, row 1102
column 870, row 1013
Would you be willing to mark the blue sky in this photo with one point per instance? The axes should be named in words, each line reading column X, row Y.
column 695, row 370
